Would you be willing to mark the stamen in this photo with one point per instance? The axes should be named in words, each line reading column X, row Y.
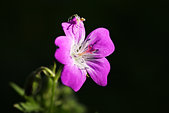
column 89, row 50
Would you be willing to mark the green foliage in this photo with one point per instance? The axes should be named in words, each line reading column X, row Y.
column 28, row 106
column 18, row 89
column 44, row 94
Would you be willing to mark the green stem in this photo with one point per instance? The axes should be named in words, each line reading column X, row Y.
column 53, row 95
column 46, row 71
column 55, row 80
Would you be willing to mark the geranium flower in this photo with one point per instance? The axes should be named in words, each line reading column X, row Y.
column 82, row 55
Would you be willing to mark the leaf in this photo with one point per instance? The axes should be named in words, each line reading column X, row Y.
column 19, row 107
column 28, row 106
column 17, row 88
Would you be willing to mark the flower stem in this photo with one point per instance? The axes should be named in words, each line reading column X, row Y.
column 53, row 95
column 54, row 80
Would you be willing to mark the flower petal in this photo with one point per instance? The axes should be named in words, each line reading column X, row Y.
column 62, row 53
column 73, row 77
column 76, row 31
column 98, row 71
column 101, row 41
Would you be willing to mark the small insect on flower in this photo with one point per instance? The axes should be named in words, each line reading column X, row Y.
column 74, row 22
column 75, row 18
column 82, row 56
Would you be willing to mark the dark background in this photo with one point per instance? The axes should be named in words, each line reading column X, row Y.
column 139, row 78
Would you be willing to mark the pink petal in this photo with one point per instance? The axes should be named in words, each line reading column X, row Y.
column 73, row 77
column 101, row 41
column 75, row 31
column 62, row 53
column 98, row 71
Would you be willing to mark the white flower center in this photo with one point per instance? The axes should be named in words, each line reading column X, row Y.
column 80, row 53
column 77, row 56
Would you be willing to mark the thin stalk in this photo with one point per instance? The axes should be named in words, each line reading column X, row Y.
column 55, row 80
column 53, row 95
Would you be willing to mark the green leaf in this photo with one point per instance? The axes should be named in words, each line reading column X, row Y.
column 28, row 106
column 19, row 107
column 18, row 89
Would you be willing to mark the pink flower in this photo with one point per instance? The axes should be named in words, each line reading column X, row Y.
column 82, row 55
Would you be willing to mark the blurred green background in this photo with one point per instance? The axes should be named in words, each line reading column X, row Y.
column 139, row 78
